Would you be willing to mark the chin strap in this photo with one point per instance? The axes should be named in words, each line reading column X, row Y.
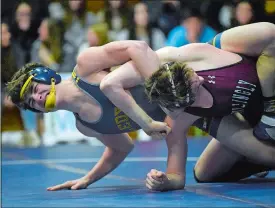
column 51, row 98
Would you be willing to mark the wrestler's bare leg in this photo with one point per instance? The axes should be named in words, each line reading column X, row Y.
column 237, row 135
column 218, row 163
column 212, row 163
column 265, row 130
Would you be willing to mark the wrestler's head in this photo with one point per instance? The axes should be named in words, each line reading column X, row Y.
column 33, row 88
column 173, row 86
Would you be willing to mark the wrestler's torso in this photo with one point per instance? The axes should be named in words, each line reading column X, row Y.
column 91, row 111
column 98, row 112
column 234, row 88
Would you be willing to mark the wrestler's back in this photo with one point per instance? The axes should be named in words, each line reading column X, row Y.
column 214, row 58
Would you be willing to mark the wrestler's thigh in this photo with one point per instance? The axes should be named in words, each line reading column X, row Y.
column 266, row 71
column 237, row 135
column 215, row 160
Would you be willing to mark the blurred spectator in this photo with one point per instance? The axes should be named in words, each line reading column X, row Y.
column 169, row 15
column 192, row 30
column 248, row 11
column 141, row 29
column 23, row 33
column 154, row 9
column 244, row 14
column 39, row 10
column 116, row 15
column 10, row 114
column 76, row 23
column 8, row 61
column 97, row 35
column 56, row 11
column 225, row 16
column 47, row 48
column 217, row 13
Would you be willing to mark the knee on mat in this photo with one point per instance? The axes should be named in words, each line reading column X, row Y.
column 200, row 177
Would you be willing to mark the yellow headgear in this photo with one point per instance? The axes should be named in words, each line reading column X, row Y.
column 44, row 75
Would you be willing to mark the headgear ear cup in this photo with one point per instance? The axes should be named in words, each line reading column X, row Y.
column 50, row 99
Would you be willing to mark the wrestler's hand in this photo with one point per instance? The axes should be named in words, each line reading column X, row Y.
column 157, row 180
column 157, row 129
column 80, row 183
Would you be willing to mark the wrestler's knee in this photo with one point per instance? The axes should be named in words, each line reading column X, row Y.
column 269, row 29
column 272, row 155
column 197, row 176
column 200, row 175
column 267, row 156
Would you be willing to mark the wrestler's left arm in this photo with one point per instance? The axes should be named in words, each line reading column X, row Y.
column 118, row 146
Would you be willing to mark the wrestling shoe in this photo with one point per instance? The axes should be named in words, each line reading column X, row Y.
column 261, row 174
column 265, row 129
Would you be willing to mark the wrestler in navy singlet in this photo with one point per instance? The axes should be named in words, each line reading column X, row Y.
column 113, row 120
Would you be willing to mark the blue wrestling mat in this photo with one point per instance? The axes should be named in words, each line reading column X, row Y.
column 26, row 173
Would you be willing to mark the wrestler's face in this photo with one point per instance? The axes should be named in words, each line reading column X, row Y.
column 36, row 96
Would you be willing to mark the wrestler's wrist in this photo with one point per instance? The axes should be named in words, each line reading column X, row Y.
column 143, row 119
column 147, row 123
column 89, row 178
column 175, row 181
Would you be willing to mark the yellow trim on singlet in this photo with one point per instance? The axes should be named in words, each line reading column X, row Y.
column 75, row 77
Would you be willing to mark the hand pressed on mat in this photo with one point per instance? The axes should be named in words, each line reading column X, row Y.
column 160, row 181
column 156, row 180
column 80, row 183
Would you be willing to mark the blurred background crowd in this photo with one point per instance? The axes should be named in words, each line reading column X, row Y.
column 54, row 32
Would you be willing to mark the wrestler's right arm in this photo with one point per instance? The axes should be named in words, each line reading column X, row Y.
column 174, row 178
column 118, row 146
